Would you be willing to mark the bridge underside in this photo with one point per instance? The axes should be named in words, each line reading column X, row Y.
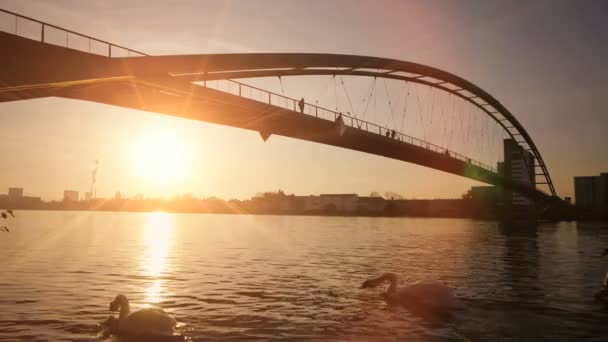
column 33, row 70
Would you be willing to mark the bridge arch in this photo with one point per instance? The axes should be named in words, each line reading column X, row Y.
column 196, row 68
column 25, row 77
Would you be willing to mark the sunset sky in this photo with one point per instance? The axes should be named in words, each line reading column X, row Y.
column 544, row 60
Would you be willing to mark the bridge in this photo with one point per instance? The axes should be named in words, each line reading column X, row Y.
column 54, row 61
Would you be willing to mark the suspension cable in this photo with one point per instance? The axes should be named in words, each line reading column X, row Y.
column 419, row 110
column 390, row 106
column 451, row 137
column 405, row 98
column 371, row 94
column 443, row 123
column 281, row 82
column 336, row 91
column 348, row 97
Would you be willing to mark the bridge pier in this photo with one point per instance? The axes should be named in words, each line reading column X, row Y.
column 518, row 166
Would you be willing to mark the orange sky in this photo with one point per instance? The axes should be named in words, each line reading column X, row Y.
column 545, row 67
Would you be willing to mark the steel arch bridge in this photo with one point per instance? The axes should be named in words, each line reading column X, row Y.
column 33, row 68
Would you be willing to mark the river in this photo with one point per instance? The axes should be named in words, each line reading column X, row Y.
column 241, row 277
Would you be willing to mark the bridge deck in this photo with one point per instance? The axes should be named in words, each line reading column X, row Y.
column 34, row 69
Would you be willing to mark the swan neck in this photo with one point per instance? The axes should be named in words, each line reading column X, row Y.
column 392, row 288
column 124, row 310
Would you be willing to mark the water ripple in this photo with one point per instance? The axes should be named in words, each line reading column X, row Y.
column 234, row 278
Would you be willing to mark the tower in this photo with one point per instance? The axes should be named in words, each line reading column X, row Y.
column 519, row 168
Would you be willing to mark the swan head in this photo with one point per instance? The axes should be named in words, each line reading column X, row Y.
column 118, row 302
column 374, row 282
column 367, row 284
column 370, row 283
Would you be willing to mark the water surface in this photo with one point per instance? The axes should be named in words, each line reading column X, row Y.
column 231, row 277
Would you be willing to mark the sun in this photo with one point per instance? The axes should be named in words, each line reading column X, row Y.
column 159, row 157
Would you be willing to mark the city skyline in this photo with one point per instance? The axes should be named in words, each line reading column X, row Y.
column 221, row 161
column 83, row 195
column 478, row 202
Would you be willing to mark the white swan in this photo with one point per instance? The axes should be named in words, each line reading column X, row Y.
column 424, row 296
column 149, row 321
column 602, row 295
column 606, row 277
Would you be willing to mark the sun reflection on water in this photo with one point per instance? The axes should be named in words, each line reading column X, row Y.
column 158, row 233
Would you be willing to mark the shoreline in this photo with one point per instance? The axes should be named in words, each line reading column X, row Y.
column 312, row 214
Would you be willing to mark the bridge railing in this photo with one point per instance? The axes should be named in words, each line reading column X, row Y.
column 261, row 95
column 41, row 31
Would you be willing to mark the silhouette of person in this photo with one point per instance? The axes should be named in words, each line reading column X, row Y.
column 301, row 105
column 393, row 134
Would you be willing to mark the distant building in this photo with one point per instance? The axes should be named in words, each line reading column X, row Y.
column 15, row 194
column 307, row 203
column 338, row 203
column 88, row 196
column 344, row 203
column 70, row 196
column 31, row 200
column 15, row 200
column 591, row 192
column 272, row 201
column 428, row 208
column 371, row 205
column 117, row 196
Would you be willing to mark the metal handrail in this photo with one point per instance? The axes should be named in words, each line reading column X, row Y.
column 265, row 96
column 45, row 24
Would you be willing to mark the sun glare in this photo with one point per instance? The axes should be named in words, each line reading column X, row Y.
column 159, row 158
column 158, row 232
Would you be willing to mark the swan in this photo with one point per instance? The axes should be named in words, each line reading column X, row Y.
column 605, row 278
column 429, row 296
column 602, row 295
column 149, row 321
